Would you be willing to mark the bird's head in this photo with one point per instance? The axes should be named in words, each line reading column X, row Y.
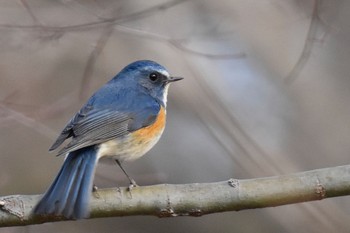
column 150, row 77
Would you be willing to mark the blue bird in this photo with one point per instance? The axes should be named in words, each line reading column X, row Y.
column 123, row 120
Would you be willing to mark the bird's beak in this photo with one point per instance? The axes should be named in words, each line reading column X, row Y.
column 174, row 79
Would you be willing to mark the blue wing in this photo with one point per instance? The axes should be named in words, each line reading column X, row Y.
column 108, row 115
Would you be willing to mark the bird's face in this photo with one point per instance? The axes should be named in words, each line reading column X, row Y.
column 151, row 77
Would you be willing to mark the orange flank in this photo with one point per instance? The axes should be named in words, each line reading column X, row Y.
column 137, row 143
column 154, row 130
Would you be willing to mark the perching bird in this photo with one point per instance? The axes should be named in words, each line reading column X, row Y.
column 123, row 120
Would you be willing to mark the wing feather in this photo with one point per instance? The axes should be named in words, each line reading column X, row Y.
column 93, row 126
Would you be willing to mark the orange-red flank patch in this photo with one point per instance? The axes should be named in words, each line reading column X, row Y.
column 152, row 130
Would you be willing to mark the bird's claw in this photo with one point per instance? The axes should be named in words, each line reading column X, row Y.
column 132, row 185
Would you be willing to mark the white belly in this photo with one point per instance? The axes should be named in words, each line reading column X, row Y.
column 127, row 149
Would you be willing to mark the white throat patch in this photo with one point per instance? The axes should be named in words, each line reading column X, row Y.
column 165, row 94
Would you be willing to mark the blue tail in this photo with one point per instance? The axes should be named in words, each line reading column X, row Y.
column 69, row 194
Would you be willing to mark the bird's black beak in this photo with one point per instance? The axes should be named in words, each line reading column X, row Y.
column 174, row 79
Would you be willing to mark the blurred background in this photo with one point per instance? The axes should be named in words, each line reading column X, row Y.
column 266, row 92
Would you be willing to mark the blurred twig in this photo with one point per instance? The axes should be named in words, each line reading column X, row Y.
column 237, row 134
column 109, row 23
column 100, row 22
column 27, row 121
column 194, row 199
column 179, row 44
column 308, row 45
column 98, row 48
column 30, row 12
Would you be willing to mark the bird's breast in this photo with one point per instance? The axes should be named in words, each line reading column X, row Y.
column 135, row 144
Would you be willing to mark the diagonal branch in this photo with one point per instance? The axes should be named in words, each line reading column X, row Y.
column 166, row 200
column 308, row 45
column 100, row 45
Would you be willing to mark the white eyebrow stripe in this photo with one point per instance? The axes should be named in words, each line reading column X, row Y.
column 164, row 72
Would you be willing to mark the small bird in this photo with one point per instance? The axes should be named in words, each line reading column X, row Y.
column 122, row 120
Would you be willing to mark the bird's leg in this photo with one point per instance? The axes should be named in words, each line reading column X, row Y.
column 132, row 181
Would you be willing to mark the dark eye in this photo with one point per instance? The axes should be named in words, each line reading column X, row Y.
column 153, row 77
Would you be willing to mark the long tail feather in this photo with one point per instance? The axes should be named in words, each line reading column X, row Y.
column 69, row 194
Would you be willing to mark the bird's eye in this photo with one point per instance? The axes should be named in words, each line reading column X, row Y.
column 153, row 77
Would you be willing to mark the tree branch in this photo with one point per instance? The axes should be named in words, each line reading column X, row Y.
column 166, row 200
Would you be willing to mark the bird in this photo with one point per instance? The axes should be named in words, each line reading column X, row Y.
column 121, row 121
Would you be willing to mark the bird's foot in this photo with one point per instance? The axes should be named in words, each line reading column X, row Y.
column 132, row 185
column 94, row 191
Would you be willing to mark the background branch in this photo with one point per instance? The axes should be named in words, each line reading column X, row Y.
column 194, row 199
